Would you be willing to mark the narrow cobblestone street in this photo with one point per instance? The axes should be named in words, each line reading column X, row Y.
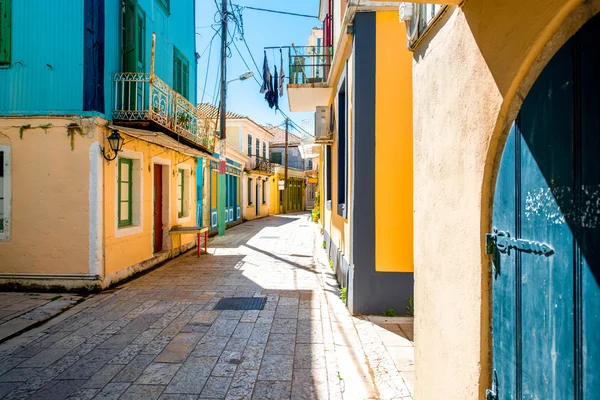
column 158, row 336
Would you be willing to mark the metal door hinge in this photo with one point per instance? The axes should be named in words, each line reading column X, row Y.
column 490, row 243
column 492, row 394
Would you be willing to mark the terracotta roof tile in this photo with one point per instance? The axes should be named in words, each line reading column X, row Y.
column 212, row 112
column 279, row 136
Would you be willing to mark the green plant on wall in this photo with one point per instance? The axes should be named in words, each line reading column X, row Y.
column 344, row 294
column 410, row 308
column 390, row 312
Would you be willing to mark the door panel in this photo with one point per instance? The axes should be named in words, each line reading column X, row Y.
column 504, row 265
column 158, row 207
column 589, row 194
column 546, row 304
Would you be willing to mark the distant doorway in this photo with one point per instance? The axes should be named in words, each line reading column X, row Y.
column 158, row 208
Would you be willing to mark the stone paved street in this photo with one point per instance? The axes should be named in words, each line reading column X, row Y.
column 158, row 336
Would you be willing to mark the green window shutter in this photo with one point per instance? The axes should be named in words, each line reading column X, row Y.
column 184, row 79
column 140, row 40
column 131, row 36
column 125, row 189
column 5, row 39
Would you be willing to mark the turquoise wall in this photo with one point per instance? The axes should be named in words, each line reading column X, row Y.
column 50, row 32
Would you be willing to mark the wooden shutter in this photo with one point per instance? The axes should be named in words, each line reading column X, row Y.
column 5, row 31
column 131, row 36
column 184, row 79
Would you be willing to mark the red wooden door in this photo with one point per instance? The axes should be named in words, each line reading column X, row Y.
column 158, row 231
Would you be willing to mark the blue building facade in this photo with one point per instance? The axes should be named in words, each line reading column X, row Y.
column 62, row 54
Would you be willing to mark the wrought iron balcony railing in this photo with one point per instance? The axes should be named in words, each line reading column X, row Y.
column 145, row 98
column 309, row 64
column 261, row 164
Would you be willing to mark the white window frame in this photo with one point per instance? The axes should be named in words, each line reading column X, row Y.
column 6, row 233
column 137, row 194
column 187, row 192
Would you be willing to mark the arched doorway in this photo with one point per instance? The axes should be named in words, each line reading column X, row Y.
column 546, row 238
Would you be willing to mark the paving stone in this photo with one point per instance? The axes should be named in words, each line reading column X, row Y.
column 242, row 385
column 179, row 348
column 222, row 328
column 69, row 342
column 89, row 364
column 309, row 384
column 119, row 341
column 192, row 376
column 205, row 317
column 112, row 391
column 84, row 394
column 227, row 363
column 56, row 390
column 19, row 374
column 10, row 363
column 272, row 390
column 103, row 376
column 252, row 357
column 250, row 316
column 133, row 370
column 127, row 354
column 284, row 325
column 215, row 388
column 276, row 368
column 158, row 344
column 7, row 387
column 176, row 396
column 158, row 374
column 309, row 355
column 281, row 343
column 260, row 334
column 210, row 346
column 236, row 344
column 146, row 392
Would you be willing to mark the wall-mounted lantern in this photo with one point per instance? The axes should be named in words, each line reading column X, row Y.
column 115, row 141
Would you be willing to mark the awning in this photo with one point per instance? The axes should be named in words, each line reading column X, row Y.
column 160, row 139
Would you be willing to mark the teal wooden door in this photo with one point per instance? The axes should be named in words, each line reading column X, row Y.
column 199, row 192
column 545, row 244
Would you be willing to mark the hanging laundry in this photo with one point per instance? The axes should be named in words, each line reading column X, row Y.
column 266, row 77
column 269, row 94
column 281, row 74
column 275, row 91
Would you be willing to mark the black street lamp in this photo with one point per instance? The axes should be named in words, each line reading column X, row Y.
column 115, row 141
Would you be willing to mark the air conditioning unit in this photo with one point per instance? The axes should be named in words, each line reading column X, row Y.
column 407, row 12
column 322, row 125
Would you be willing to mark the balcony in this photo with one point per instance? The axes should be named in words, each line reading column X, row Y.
column 144, row 101
column 309, row 69
column 261, row 164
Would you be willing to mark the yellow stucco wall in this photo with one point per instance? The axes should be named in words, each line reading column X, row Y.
column 125, row 251
column 393, row 147
column 50, row 198
column 469, row 75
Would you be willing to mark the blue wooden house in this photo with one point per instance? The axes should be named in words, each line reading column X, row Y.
column 73, row 73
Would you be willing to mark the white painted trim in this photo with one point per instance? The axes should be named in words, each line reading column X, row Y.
column 96, row 203
column 6, row 234
column 137, row 208
column 187, row 192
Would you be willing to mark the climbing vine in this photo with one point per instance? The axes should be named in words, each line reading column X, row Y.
column 23, row 128
column 73, row 129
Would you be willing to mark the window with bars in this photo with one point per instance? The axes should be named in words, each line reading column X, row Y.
column 181, row 68
column 125, row 192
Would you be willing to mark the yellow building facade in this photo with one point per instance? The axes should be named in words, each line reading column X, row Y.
column 366, row 166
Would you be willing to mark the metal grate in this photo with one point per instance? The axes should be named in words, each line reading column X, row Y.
column 241, row 303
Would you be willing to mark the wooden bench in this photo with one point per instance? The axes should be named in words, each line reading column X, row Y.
column 183, row 230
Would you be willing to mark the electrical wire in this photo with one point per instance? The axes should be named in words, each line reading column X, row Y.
column 207, row 67
column 243, row 60
column 279, row 12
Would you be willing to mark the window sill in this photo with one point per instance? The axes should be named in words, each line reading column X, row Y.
column 183, row 219
column 128, row 230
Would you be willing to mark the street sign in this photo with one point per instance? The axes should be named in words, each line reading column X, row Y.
column 281, row 187
column 281, row 182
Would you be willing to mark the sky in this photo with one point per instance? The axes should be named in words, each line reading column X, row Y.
column 261, row 29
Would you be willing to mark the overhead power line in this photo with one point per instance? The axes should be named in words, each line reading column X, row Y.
column 280, row 12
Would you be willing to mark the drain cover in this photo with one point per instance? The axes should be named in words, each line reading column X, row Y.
column 241, row 303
